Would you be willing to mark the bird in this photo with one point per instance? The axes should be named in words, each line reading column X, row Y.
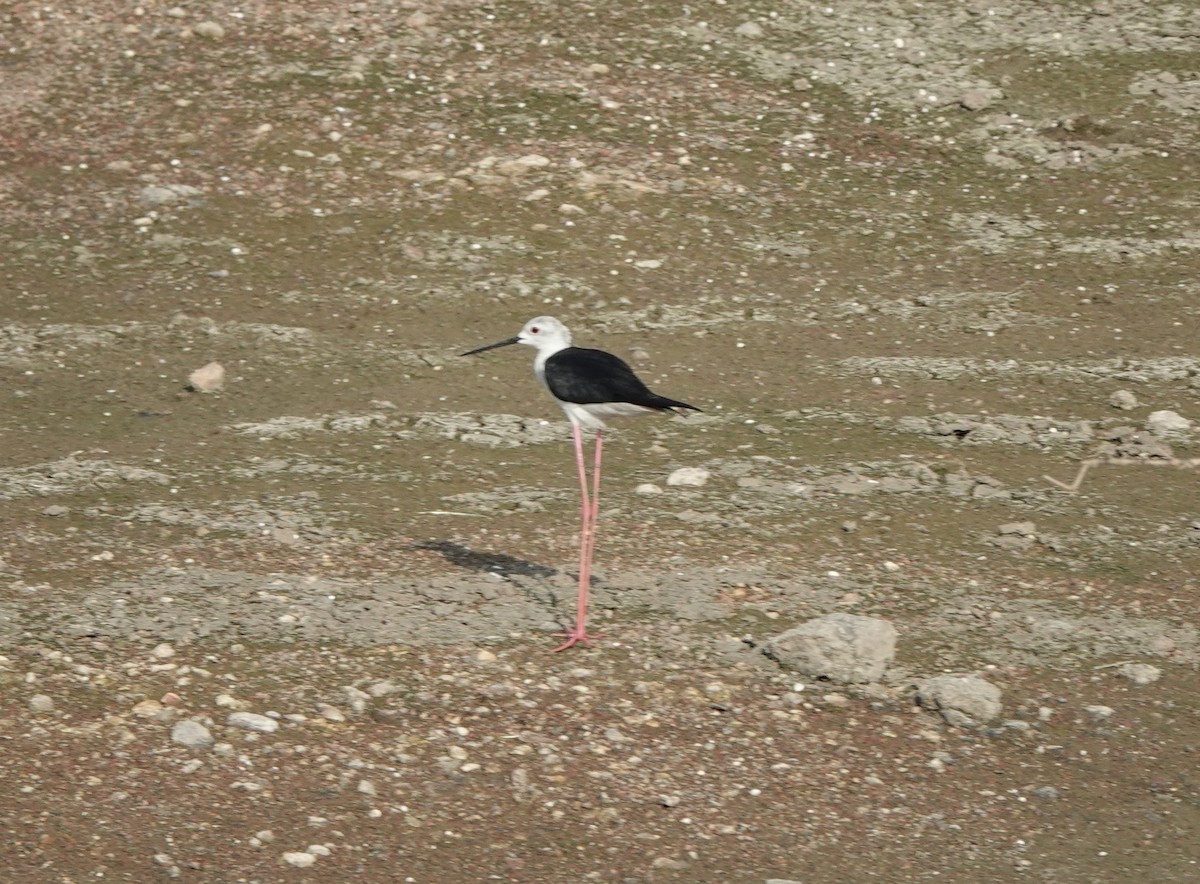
column 591, row 386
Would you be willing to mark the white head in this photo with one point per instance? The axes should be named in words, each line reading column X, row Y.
column 545, row 333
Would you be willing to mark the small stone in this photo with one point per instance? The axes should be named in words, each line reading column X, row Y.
column 207, row 379
column 1047, row 792
column 669, row 800
column 301, row 859
column 41, row 704
column 164, row 194
column 331, row 713
column 55, row 510
column 252, row 721
column 750, row 29
column 1123, row 400
column 648, row 488
column 147, row 709
column 845, row 648
column 1167, row 423
column 694, row 476
column 192, row 734
column 522, row 165
column 1140, row 674
column 1019, row 529
column 209, row 30
column 1099, row 713
column 963, row 701
column 976, row 99
column 163, row 652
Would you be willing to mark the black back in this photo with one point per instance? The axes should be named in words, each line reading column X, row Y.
column 585, row 377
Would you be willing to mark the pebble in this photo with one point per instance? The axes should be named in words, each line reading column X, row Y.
column 1099, row 713
column 163, row 652
column 694, row 476
column 750, row 29
column 56, row 510
column 1123, row 400
column 1140, row 674
column 1166, row 423
column 252, row 721
column 207, row 379
column 160, row 194
column 1020, row 529
column 963, row 701
column 648, row 488
column 976, row 99
column 192, row 734
column 147, row 709
column 41, row 704
column 1047, row 792
column 209, row 30
column 330, row 713
column 846, row 648
column 299, row 858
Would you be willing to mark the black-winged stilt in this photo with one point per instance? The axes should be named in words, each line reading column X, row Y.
column 590, row 385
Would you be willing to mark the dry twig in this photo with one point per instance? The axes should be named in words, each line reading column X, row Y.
column 1182, row 463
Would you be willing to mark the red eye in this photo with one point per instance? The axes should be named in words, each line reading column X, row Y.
column 535, row 330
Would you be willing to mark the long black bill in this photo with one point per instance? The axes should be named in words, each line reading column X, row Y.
column 513, row 340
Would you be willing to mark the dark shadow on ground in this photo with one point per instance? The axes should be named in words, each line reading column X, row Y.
column 485, row 562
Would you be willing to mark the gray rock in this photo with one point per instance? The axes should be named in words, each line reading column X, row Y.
column 162, row 194
column 1167, row 423
column 976, row 99
column 41, row 704
column 252, row 721
column 1099, row 713
column 689, row 476
column 209, row 30
column 1140, row 674
column 845, row 648
column 964, row 701
column 207, row 379
column 192, row 734
column 1021, row 529
column 1047, row 792
column 1123, row 400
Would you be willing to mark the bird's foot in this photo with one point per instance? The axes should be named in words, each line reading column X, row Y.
column 576, row 636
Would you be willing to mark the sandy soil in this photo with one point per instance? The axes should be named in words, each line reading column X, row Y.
column 919, row 263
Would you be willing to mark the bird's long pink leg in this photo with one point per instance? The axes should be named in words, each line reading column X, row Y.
column 589, row 511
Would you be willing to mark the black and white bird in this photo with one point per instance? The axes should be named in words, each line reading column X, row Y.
column 590, row 386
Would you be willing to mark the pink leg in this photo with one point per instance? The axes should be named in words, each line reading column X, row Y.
column 589, row 512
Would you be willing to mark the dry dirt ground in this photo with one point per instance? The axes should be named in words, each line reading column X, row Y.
column 910, row 258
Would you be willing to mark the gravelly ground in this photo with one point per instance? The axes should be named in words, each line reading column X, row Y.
column 918, row 263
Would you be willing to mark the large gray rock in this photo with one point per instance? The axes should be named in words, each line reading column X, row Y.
column 963, row 700
column 844, row 648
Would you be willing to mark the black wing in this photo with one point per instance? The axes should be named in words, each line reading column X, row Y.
column 585, row 376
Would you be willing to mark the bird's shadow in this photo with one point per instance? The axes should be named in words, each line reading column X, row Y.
column 485, row 562
column 502, row 565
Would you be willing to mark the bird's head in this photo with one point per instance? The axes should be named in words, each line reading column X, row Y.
column 545, row 333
